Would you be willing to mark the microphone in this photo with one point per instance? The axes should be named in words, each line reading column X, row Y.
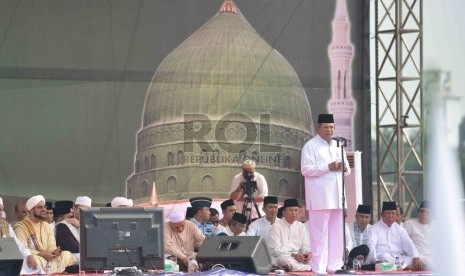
column 340, row 138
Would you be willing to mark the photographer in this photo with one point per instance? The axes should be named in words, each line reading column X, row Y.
column 239, row 187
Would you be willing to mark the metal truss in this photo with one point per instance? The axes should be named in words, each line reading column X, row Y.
column 399, row 103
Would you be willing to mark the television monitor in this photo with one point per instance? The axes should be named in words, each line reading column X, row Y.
column 113, row 238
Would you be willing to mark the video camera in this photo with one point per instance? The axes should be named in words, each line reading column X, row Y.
column 250, row 186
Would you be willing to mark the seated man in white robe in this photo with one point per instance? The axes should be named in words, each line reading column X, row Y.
column 29, row 264
column 181, row 238
column 288, row 241
column 261, row 226
column 35, row 234
column 388, row 241
column 420, row 231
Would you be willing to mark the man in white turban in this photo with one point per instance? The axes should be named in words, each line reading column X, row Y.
column 29, row 264
column 67, row 231
column 181, row 237
column 120, row 201
column 37, row 236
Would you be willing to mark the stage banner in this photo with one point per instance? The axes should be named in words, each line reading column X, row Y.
column 165, row 98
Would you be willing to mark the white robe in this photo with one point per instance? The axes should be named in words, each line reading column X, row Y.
column 260, row 227
column 262, row 191
column 25, row 253
column 323, row 193
column 386, row 243
column 285, row 239
column 422, row 236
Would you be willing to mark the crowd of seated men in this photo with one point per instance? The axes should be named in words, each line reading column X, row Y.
column 50, row 234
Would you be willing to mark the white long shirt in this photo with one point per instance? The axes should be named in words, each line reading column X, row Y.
column 323, row 188
column 421, row 235
column 25, row 253
column 262, row 191
column 285, row 238
column 260, row 227
column 386, row 243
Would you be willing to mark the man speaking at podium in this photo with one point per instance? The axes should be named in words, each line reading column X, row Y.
column 321, row 167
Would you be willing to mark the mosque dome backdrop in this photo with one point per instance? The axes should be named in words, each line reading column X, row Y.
column 221, row 96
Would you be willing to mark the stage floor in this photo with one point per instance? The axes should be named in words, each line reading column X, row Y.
column 239, row 273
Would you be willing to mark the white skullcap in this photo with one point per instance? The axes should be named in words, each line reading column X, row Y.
column 177, row 216
column 121, row 201
column 1, row 201
column 33, row 201
column 3, row 215
column 83, row 200
column 248, row 164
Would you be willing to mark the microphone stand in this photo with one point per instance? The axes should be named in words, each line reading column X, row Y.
column 342, row 143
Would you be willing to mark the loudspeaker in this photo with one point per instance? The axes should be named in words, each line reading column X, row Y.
column 242, row 253
column 11, row 260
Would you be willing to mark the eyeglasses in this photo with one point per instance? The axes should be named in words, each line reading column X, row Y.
column 424, row 211
column 40, row 207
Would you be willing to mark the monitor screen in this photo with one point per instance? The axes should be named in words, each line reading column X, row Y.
column 121, row 237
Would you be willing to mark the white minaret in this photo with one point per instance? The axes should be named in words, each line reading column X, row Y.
column 340, row 53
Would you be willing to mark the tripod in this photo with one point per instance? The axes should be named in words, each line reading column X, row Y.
column 342, row 143
column 249, row 202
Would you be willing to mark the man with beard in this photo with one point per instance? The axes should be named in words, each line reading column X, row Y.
column 181, row 238
column 35, row 234
column 67, row 231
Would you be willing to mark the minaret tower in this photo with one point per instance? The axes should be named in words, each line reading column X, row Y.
column 340, row 53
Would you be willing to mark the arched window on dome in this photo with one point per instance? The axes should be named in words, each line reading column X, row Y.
column 208, row 184
column 171, row 184
column 146, row 163
column 153, row 161
column 143, row 189
column 170, row 159
column 283, row 187
column 180, row 157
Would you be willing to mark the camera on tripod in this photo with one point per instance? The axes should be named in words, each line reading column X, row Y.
column 250, row 186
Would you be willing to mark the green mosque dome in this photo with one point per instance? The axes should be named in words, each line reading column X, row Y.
column 226, row 67
column 232, row 80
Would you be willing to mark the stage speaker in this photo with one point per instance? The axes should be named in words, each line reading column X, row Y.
column 242, row 253
column 11, row 260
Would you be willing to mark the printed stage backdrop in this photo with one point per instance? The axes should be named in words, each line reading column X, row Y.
column 104, row 98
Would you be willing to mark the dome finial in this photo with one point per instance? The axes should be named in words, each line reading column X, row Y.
column 228, row 6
